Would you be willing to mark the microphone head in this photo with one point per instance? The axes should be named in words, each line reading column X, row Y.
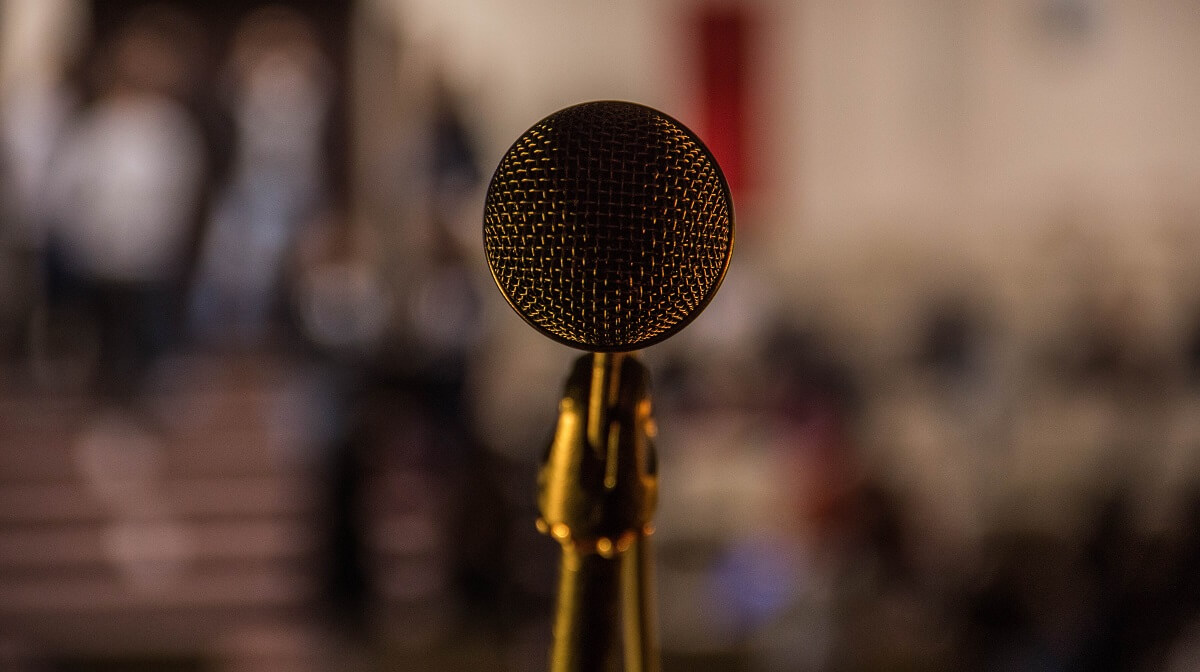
column 608, row 226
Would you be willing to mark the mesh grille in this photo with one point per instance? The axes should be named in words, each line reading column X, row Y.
column 608, row 226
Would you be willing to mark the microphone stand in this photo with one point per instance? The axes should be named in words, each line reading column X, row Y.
column 597, row 490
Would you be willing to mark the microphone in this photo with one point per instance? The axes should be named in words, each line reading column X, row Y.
column 608, row 227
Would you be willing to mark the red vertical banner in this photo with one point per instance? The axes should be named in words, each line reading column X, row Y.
column 724, row 59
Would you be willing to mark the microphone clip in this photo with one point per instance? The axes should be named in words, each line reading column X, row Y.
column 598, row 485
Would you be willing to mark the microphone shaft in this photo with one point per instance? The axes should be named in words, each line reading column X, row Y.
column 637, row 601
column 586, row 617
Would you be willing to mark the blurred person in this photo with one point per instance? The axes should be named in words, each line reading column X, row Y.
column 279, row 85
column 340, row 308
column 440, row 307
column 124, row 194
column 856, row 599
column 39, row 44
column 31, row 124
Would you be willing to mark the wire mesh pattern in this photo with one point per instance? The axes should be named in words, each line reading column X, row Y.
column 608, row 226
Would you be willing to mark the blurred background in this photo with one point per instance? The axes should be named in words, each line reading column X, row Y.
column 262, row 408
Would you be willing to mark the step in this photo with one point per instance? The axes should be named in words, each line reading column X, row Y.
column 186, row 497
column 100, row 545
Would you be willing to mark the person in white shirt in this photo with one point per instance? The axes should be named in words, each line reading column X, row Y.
column 124, row 192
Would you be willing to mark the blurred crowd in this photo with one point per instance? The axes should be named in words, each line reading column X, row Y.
column 151, row 202
column 297, row 441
